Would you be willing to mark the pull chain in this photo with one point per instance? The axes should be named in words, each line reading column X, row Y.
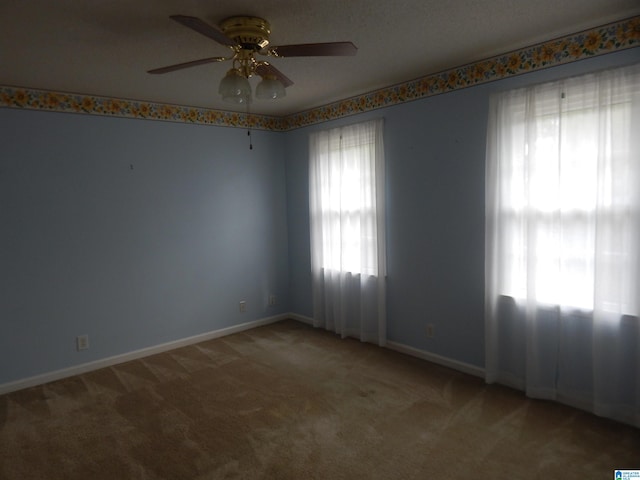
column 249, row 128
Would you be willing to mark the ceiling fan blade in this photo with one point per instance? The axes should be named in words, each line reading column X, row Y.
column 338, row 49
column 264, row 69
column 180, row 66
column 204, row 28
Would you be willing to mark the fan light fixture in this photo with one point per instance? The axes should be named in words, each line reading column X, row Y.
column 270, row 88
column 235, row 88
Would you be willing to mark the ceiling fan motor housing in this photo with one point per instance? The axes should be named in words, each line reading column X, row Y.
column 251, row 33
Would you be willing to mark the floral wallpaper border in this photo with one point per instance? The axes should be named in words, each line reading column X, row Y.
column 606, row 39
column 598, row 41
column 14, row 97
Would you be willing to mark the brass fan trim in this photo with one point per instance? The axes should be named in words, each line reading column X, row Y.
column 250, row 33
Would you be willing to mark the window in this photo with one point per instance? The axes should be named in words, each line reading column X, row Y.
column 565, row 193
column 344, row 183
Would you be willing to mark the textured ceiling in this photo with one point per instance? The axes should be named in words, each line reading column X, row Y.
column 105, row 47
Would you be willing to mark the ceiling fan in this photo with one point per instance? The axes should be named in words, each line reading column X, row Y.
column 247, row 37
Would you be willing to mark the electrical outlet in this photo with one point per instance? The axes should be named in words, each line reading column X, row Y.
column 272, row 300
column 431, row 330
column 82, row 342
column 243, row 306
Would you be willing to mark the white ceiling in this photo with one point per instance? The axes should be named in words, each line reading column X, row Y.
column 105, row 47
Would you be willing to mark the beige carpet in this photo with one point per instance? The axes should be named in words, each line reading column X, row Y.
column 287, row 401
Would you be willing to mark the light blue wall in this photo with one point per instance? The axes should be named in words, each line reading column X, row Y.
column 435, row 152
column 133, row 232
column 138, row 257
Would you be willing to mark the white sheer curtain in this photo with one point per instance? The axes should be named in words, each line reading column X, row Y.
column 346, row 197
column 563, row 242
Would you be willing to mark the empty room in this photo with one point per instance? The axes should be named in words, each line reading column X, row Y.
column 319, row 239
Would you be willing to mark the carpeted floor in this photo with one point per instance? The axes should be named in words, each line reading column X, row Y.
column 287, row 401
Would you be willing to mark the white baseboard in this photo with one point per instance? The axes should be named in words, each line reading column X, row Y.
column 145, row 352
column 415, row 352
column 439, row 359
column 301, row 318
column 136, row 354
